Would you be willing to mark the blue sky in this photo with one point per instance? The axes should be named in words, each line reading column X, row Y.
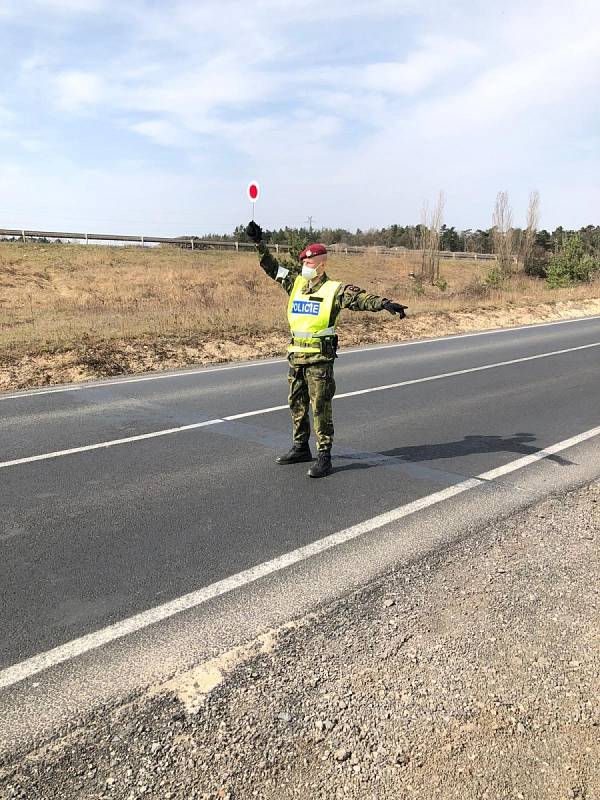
column 151, row 117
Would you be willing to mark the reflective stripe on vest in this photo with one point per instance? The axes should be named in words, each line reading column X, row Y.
column 309, row 318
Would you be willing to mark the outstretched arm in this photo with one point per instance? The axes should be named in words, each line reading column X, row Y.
column 357, row 299
column 269, row 263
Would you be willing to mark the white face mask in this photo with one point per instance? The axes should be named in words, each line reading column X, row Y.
column 309, row 273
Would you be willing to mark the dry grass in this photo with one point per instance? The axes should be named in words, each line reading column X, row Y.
column 189, row 307
column 54, row 295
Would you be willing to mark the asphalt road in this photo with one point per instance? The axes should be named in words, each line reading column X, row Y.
column 91, row 538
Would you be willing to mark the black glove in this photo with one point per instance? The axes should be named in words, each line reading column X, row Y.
column 394, row 308
column 254, row 232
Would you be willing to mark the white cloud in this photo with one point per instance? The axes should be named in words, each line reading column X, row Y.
column 162, row 132
column 436, row 58
column 222, row 81
column 33, row 145
column 35, row 62
column 78, row 90
column 225, row 20
column 68, row 6
column 7, row 120
column 28, row 9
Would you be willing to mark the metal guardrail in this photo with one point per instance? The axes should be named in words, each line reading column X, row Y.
column 188, row 241
column 193, row 243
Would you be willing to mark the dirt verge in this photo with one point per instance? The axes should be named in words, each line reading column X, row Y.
column 93, row 359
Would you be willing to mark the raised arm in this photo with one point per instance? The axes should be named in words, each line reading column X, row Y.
column 283, row 275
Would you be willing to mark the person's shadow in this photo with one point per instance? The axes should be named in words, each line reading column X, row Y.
column 519, row 443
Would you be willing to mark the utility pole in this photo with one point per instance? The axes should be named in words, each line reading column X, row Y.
column 309, row 220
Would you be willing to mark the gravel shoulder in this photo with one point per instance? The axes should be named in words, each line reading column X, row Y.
column 474, row 673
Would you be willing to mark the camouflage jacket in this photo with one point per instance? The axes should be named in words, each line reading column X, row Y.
column 347, row 296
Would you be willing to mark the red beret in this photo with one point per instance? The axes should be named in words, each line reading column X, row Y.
column 313, row 250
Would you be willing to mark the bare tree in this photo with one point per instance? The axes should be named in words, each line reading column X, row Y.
column 423, row 236
column 503, row 235
column 533, row 220
column 429, row 240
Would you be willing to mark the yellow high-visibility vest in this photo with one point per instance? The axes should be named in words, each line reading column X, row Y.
column 309, row 314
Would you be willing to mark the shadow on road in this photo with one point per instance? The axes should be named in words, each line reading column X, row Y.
column 520, row 443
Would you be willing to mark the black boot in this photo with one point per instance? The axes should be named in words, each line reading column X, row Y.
column 298, row 453
column 322, row 466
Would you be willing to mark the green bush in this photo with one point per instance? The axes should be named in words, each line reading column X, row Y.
column 556, row 277
column 571, row 265
column 442, row 284
column 418, row 288
column 493, row 279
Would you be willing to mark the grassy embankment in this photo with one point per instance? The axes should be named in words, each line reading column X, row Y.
column 70, row 312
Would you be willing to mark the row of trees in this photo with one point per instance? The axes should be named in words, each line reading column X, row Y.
column 410, row 236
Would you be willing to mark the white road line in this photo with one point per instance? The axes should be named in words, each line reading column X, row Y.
column 71, row 451
column 204, row 370
column 112, row 443
column 254, row 413
column 36, row 392
column 91, row 641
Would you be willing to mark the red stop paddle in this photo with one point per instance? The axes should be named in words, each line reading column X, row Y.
column 253, row 194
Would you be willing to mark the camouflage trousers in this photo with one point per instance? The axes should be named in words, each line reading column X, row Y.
column 312, row 385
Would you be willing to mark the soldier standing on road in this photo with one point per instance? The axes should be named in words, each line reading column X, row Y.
column 313, row 308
